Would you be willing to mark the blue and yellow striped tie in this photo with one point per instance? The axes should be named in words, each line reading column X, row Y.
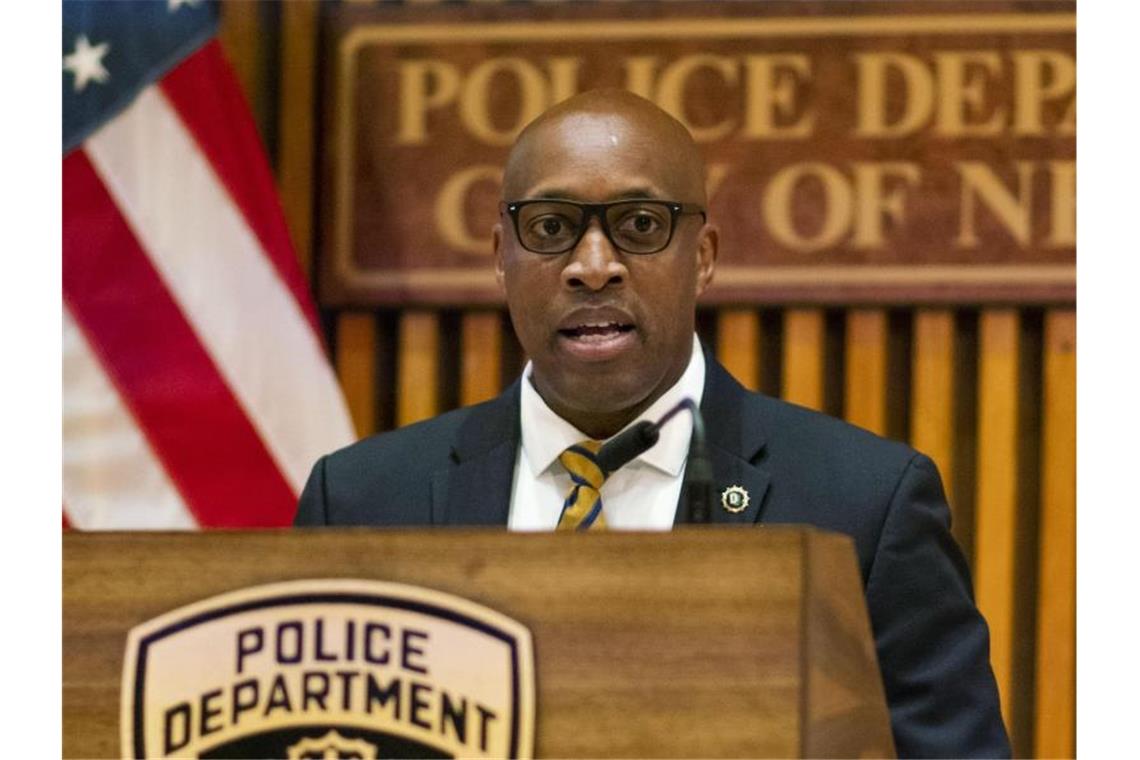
column 582, row 509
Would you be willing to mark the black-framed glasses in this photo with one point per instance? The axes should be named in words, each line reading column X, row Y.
column 639, row 225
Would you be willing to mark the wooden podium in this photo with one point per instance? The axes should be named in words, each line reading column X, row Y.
column 700, row 642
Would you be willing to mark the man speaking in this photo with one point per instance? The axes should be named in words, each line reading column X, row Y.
column 602, row 248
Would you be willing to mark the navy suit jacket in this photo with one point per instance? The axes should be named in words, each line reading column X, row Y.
column 798, row 466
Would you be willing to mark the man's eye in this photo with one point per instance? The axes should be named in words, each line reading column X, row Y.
column 549, row 226
column 642, row 224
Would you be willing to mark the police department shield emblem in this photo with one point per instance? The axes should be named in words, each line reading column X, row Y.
column 329, row 669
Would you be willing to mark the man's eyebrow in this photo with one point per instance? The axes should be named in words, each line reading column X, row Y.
column 637, row 192
column 552, row 193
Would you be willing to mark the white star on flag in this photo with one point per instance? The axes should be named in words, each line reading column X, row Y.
column 173, row 5
column 86, row 63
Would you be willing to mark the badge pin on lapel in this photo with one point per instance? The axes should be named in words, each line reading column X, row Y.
column 734, row 499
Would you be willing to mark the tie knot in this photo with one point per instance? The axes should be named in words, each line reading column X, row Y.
column 580, row 462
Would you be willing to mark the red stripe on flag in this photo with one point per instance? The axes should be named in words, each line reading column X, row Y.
column 168, row 381
column 66, row 522
column 209, row 101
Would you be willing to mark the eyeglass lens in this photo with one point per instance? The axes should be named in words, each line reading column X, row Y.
column 635, row 227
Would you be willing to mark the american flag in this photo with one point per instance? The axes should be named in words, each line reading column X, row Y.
column 197, row 392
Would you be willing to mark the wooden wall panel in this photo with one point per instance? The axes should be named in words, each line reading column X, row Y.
column 356, row 367
column 865, row 370
column 417, row 384
column 932, row 397
column 997, row 490
column 738, row 345
column 804, row 339
column 295, row 161
column 1055, row 729
column 482, row 360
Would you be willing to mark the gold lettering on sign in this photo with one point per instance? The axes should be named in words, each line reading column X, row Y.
column 1011, row 208
column 1063, row 211
column 671, row 91
column 771, row 92
column 873, row 202
column 424, row 85
column 450, row 208
column 962, row 80
column 427, row 85
column 873, row 71
column 1042, row 76
column 876, row 192
column 956, row 90
column 838, row 206
column 772, row 109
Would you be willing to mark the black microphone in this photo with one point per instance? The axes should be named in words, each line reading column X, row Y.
column 627, row 445
column 696, row 493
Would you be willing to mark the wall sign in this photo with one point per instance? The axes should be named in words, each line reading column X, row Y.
column 876, row 152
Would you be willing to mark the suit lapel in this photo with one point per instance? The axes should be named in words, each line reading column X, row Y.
column 730, row 471
column 736, row 440
column 476, row 489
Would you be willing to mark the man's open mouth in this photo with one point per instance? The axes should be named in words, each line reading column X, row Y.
column 596, row 332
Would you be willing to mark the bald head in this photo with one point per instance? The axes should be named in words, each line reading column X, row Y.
column 593, row 125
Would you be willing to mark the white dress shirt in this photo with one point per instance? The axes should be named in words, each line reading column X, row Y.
column 642, row 495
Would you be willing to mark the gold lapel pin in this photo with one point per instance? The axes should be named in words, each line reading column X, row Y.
column 734, row 499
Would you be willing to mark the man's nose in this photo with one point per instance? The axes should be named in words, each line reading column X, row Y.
column 594, row 263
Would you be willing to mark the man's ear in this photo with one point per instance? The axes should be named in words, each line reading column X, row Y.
column 500, row 265
column 707, row 248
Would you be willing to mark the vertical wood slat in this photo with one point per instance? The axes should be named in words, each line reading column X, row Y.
column 240, row 33
column 865, row 370
column 295, row 124
column 738, row 345
column 996, row 498
column 804, row 336
column 417, row 383
column 932, row 391
column 356, row 368
column 482, row 361
column 1055, row 730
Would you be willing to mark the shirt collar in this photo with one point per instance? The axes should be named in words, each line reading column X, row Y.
column 545, row 435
